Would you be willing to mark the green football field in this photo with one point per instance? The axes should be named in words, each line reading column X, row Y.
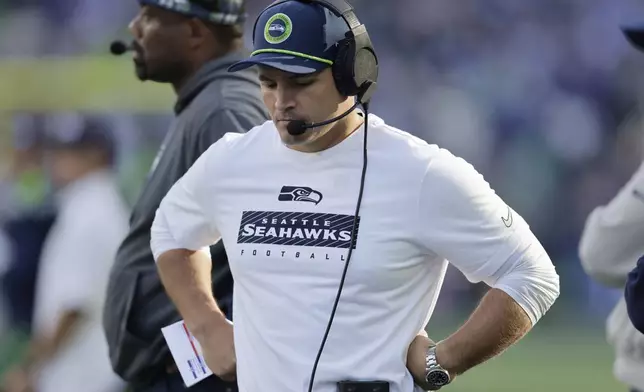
column 542, row 366
column 548, row 359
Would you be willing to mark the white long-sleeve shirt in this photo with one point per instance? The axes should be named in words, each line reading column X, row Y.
column 77, row 255
column 285, row 218
column 611, row 244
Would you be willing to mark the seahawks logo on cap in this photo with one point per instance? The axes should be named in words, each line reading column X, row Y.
column 278, row 28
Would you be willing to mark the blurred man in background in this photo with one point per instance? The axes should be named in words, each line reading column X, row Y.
column 609, row 248
column 67, row 350
column 634, row 294
column 26, row 216
column 189, row 45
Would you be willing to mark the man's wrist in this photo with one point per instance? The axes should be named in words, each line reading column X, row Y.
column 207, row 323
column 445, row 360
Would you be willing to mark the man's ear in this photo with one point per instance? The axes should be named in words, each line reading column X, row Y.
column 198, row 32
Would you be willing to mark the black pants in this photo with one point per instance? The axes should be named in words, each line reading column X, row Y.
column 174, row 383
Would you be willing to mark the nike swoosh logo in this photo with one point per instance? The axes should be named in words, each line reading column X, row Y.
column 508, row 221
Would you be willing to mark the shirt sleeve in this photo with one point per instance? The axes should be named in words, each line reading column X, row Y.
column 183, row 219
column 611, row 241
column 530, row 279
column 462, row 219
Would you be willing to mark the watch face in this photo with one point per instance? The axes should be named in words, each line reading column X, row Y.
column 438, row 378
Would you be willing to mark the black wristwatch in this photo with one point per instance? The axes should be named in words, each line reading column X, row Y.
column 435, row 376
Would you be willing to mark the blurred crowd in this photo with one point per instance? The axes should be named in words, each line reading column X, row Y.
column 541, row 96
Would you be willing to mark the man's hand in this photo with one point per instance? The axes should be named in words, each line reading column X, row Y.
column 416, row 359
column 218, row 347
column 186, row 276
column 40, row 350
column 17, row 380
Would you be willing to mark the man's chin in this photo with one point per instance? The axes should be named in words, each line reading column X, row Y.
column 144, row 74
column 141, row 72
column 295, row 140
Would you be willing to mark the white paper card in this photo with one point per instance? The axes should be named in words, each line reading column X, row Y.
column 187, row 353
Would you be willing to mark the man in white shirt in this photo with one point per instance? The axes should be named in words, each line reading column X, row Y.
column 67, row 351
column 610, row 246
column 310, row 309
column 634, row 295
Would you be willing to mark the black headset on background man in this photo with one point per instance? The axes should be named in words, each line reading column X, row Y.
column 355, row 72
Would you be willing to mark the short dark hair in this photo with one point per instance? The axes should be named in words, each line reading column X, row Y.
column 226, row 33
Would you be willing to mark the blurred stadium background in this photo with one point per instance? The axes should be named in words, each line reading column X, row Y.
column 541, row 96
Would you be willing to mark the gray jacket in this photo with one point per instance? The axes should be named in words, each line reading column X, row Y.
column 212, row 103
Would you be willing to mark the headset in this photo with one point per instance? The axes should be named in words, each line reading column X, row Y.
column 355, row 72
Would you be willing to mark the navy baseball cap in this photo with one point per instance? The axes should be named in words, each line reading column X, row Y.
column 635, row 35
column 70, row 131
column 225, row 12
column 295, row 36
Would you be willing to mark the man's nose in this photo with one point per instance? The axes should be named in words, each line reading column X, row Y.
column 285, row 99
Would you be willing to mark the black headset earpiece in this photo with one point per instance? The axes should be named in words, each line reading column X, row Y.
column 343, row 68
column 355, row 68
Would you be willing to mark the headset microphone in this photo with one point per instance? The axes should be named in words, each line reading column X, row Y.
column 298, row 127
column 117, row 48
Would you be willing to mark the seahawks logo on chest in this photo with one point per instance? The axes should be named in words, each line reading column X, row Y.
column 300, row 193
